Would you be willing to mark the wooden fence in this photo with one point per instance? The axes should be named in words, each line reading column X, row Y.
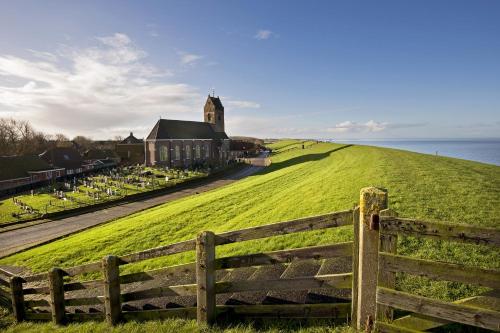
column 371, row 282
column 56, row 286
column 377, row 294
column 5, row 293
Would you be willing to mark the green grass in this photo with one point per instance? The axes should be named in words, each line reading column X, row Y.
column 173, row 325
column 7, row 325
column 285, row 145
column 323, row 178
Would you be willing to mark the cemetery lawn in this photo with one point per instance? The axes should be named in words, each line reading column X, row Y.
column 322, row 178
column 45, row 203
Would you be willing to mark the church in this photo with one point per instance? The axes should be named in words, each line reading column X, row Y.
column 183, row 144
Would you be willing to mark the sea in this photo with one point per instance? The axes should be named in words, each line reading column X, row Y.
column 485, row 151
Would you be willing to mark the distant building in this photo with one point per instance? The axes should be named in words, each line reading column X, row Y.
column 240, row 149
column 93, row 155
column 131, row 150
column 179, row 143
column 21, row 172
column 67, row 158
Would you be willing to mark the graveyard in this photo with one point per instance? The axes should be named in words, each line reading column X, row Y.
column 92, row 189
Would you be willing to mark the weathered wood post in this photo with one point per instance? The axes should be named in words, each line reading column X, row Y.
column 56, row 286
column 205, row 277
column 372, row 201
column 17, row 298
column 355, row 268
column 112, row 302
column 388, row 243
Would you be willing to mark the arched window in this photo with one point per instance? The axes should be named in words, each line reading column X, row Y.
column 207, row 151
column 177, row 152
column 163, row 153
column 198, row 151
column 209, row 117
column 188, row 152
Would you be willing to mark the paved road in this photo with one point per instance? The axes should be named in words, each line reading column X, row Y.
column 24, row 238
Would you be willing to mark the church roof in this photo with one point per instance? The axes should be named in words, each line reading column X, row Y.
column 183, row 129
column 216, row 101
column 131, row 139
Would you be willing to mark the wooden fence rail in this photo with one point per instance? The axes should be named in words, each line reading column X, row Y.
column 372, row 281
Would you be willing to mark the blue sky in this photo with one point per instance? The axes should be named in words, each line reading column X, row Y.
column 322, row 69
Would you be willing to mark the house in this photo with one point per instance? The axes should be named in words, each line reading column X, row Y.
column 67, row 158
column 18, row 173
column 180, row 143
column 93, row 155
column 241, row 149
column 131, row 150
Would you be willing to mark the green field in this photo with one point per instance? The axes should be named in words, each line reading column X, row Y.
column 285, row 145
column 302, row 182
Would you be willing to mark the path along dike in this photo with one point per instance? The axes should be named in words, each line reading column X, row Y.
column 24, row 238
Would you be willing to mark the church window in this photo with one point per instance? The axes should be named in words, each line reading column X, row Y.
column 163, row 153
column 207, row 151
column 177, row 152
column 198, row 151
column 209, row 117
column 188, row 152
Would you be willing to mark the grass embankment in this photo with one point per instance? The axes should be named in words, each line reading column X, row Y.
column 302, row 182
column 286, row 145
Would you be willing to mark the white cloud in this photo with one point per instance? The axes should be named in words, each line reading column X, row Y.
column 96, row 91
column 263, row 34
column 44, row 55
column 242, row 104
column 189, row 58
column 351, row 126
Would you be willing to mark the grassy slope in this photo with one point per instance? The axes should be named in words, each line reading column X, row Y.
column 320, row 179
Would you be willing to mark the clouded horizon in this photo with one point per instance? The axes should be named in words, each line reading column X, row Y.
column 331, row 70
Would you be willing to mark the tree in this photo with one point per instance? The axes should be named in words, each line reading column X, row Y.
column 83, row 142
column 17, row 137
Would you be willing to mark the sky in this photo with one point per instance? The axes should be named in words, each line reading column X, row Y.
column 298, row 69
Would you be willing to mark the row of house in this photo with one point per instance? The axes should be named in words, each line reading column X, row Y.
column 18, row 173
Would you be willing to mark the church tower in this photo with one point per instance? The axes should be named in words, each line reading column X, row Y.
column 214, row 113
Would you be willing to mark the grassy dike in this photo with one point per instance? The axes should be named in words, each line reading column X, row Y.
column 324, row 177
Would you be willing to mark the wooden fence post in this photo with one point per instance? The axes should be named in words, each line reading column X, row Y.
column 17, row 297
column 388, row 243
column 355, row 268
column 56, row 286
column 205, row 277
column 372, row 201
column 112, row 301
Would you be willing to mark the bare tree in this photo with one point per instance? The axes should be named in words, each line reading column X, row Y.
column 17, row 137
column 83, row 142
